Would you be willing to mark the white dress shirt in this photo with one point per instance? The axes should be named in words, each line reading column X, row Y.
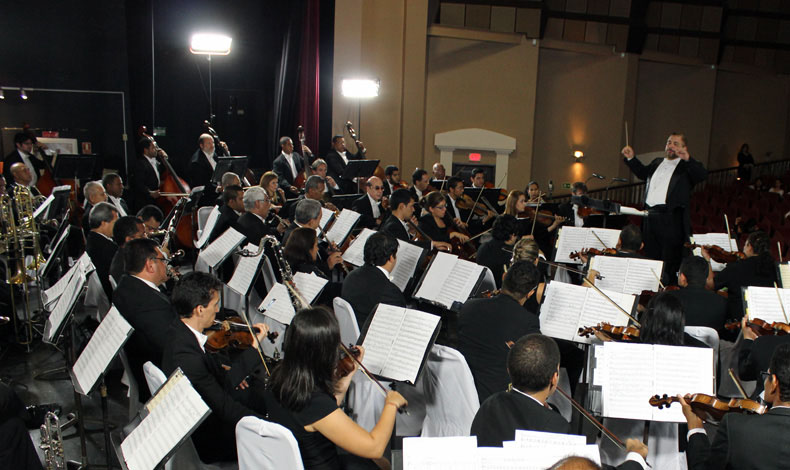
column 289, row 157
column 375, row 205
column 152, row 161
column 343, row 156
column 148, row 283
column 386, row 273
column 201, row 338
column 659, row 183
column 211, row 160
column 455, row 209
column 116, row 201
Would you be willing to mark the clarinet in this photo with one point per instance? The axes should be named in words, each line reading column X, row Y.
column 286, row 274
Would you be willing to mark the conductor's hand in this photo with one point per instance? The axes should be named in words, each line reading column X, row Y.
column 635, row 445
column 396, row 399
column 683, row 153
column 694, row 421
column 748, row 333
column 263, row 330
column 628, row 152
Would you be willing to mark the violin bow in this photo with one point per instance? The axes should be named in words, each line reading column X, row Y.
column 368, row 374
column 471, row 212
column 737, row 383
column 559, row 266
column 729, row 237
column 535, row 217
column 657, row 279
column 781, row 304
column 612, row 437
column 612, row 302
column 258, row 348
column 599, row 239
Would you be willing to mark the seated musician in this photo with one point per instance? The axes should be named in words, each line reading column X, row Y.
column 22, row 177
column 747, row 441
column 201, row 168
column 337, row 159
column 628, row 244
column 99, row 244
column 308, row 214
column 515, row 205
column 288, row 165
column 16, row 446
column 152, row 218
column 369, row 204
column 252, row 223
column 140, row 300
column 571, row 211
column 147, row 173
column 113, row 186
column 305, row 393
column 301, row 252
column 439, row 172
column 402, row 211
column 331, row 187
column 486, row 325
column 313, row 189
column 370, row 284
column 270, row 183
column 544, row 228
column 420, row 182
column 229, row 178
column 436, row 224
column 455, row 192
column 497, row 252
column 223, row 384
column 24, row 143
column 391, row 179
column 125, row 229
column 663, row 322
column 94, row 193
column 229, row 212
column 754, row 355
column 756, row 269
column 701, row 306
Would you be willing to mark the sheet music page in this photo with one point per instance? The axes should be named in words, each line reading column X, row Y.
column 597, row 309
column 165, row 426
column 246, row 270
column 86, row 265
column 278, row 305
column 56, row 290
column 408, row 349
column 221, row 247
column 342, row 226
column 538, row 439
column 784, row 274
column 508, row 458
column 607, row 235
column 613, row 269
column 211, row 221
column 101, row 349
column 65, row 302
column 434, row 279
column 559, row 313
column 626, row 374
column 718, row 239
column 570, row 239
column 355, row 253
column 43, row 206
column 381, row 335
column 545, row 449
column 406, row 263
column 55, row 248
column 459, row 282
column 763, row 303
column 680, row 370
column 641, row 276
column 326, row 216
column 309, row 285
column 440, row 453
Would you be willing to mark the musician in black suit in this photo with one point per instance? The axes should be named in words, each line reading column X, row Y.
column 252, row 224
column 201, row 168
column 229, row 212
column 338, row 158
column 496, row 253
column 331, row 187
column 288, row 165
column 22, row 154
column 701, row 306
column 369, row 204
column 99, row 244
column 113, row 187
column 420, row 181
column 313, row 189
column 152, row 218
column 669, row 184
column 391, row 179
column 125, row 229
column 571, row 211
column 142, row 303
column 223, row 384
column 16, row 446
column 370, row 284
column 94, row 193
column 402, row 210
column 747, row 441
column 755, row 353
column 146, row 175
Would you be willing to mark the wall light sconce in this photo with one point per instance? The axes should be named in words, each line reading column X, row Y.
column 22, row 94
column 578, row 155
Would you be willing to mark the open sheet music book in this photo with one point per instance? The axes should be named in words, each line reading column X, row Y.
column 407, row 258
column 397, row 341
column 572, row 239
column 326, row 217
column 449, row 279
column 568, row 307
column 221, row 247
column 627, row 275
column 82, row 265
column 173, row 414
column 211, row 221
column 630, row 373
column 342, row 227
column 64, row 305
column 112, row 333
column 763, row 303
column 783, row 274
column 355, row 253
column 246, row 269
column 718, row 239
column 278, row 303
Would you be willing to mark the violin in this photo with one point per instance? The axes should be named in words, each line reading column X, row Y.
column 234, row 333
column 545, row 217
column 717, row 253
column 592, row 252
column 646, row 295
column 346, row 364
column 617, row 333
column 585, row 212
column 466, row 203
column 761, row 327
column 710, row 408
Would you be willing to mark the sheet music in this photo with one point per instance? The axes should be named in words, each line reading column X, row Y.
column 572, row 239
column 432, row 282
column 718, row 239
column 627, row 275
column 246, row 269
column 309, row 285
column 65, row 302
column 55, row 249
column 326, row 216
column 220, row 248
column 449, row 279
column 342, row 226
column 440, row 453
column 56, row 290
column 355, row 253
column 108, row 338
column 43, row 206
column 396, row 340
column 597, row 309
column 539, row 439
column 165, row 426
column 784, row 274
column 763, row 303
column 278, row 305
column 211, row 221
column 406, row 263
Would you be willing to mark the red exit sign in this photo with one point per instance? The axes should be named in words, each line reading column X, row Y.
column 474, row 157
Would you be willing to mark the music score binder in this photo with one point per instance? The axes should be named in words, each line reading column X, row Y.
column 449, row 280
column 110, row 336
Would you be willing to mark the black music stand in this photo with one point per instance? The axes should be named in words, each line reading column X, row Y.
column 77, row 167
column 491, row 195
column 236, row 164
column 359, row 169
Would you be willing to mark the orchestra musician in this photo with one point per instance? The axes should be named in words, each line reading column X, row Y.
column 747, row 441
column 331, row 187
column 23, row 142
column 126, row 228
column 664, row 322
column 94, row 193
column 307, row 214
column 229, row 212
column 497, row 252
column 229, row 178
column 152, row 217
column 571, row 211
column 754, row 355
column 478, row 178
column 369, row 204
column 301, row 252
column 252, row 223
column 669, row 184
column 22, row 176
column 146, row 175
column 436, row 223
column 439, row 173
column 201, row 168
column 392, row 179
column 338, row 158
column 420, row 182
column 99, row 244
column 288, row 165
column 402, row 212
column 371, row 283
column 113, row 186
column 270, row 184
column 313, row 189
column 629, row 244
column 223, row 384
column 701, row 306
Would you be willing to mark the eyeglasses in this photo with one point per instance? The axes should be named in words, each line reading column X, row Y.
column 765, row 375
column 162, row 259
column 441, row 207
column 377, row 187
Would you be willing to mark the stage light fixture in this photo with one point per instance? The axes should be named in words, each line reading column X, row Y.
column 360, row 88
column 22, row 94
column 210, row 44
column 2, row 94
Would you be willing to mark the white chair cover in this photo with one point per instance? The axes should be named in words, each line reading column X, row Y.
column 134, row 401
column 349, row 330
column 451, row 397
column 202, row 218
column 262, row 445
column 154, row 376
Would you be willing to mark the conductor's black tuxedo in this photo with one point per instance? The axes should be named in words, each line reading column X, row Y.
column 364, row 207
column 367, row 286
column 744, row 442
column 13, row 158
column 149, row 312
column 285, row 177
column 101, row 251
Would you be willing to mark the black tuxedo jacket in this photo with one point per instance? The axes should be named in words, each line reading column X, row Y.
column 702, row 307
column 285, row 178
column 149, row 312
column 142, row 180
column 755, row 357
column 495, row 254
column 117, row 266
column 252, row 227
column 200, row 173
column 215, row 438
column 686, row 175
column 367, row 286
column 335, row 166
column 14, row 157
column 393, row 227
column 227, row 217
column 363, row 206
column 499, row 417
column 744, row 442
column 101, row 251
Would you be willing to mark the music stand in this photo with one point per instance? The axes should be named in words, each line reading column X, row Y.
column 359, row 169
column 77, row 167
column 236, row 164
column 59, row 204
column 491, row 195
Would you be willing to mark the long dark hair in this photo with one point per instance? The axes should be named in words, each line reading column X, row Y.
column 663, row 322
column 759, row 242
column 310, row 355
column 298, row 247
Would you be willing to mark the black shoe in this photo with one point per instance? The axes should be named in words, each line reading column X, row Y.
column 37, row 413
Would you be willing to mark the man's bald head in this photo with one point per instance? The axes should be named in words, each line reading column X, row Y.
column 21, row 173
column 575, row 463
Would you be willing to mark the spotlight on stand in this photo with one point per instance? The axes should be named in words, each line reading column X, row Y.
column 360, row 88
column 210, row 44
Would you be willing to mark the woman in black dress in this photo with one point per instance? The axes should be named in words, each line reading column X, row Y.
column 436, row 223
column 301, row 252
column 305, row 393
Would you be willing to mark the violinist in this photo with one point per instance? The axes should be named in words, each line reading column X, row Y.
column 455, row 192
column 229, row 212
column 23, row 153
column 571, row 211
column 392, row 180
column 289, row 165
column 747, row 441
column 401, row 215
column 757, row 269
column 478, row 178
column 202, row 165
column 338, row 158
column 420, row 184
column 369, row 204
column 331, row 187
column 540, row 230
column 436, row 223
column 497, row 252
column 702, row 307
column 474, row 216
column 485, row 325
column 305, row 395
column 629, row 244
column 226, row 386
column 754, row 354
column 146, row 176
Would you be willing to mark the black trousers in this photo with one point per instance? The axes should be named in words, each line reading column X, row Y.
column 16, row 449
column 664, row 235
